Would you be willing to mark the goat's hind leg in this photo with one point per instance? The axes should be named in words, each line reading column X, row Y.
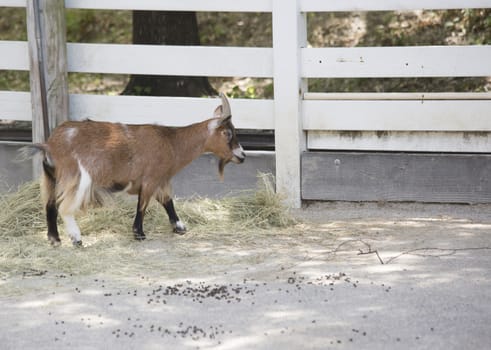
column 76, row 195
column 72, row 229
column 48, row 185
column 67, row 211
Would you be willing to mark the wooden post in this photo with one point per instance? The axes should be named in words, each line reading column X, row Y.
column 46, row 32
column 289, row 35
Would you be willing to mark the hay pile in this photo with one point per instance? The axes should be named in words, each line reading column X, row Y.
column 108, row 239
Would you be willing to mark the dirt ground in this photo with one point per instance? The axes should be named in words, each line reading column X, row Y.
column 347, row 276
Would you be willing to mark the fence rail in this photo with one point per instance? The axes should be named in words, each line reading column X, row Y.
column 14, row 55
column 15, row 105
column 172, row 111
column 398, row 115
column 170, row 60
column 387, row 5
column 388, row 96
column 301, row 120
column 265, row 5
column 392, row 62
column 162, row 5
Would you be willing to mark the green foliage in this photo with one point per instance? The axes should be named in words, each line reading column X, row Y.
column 13, row 23
column 98, row 26
column 235, row 29
column 237, row 92
column 14, row 80
column 411, row 28
column 143, row 90
column 453, row 27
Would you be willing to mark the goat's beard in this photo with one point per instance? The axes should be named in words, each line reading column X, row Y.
column 221, row 167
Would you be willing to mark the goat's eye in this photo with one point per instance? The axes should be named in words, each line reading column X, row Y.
column 228, row 134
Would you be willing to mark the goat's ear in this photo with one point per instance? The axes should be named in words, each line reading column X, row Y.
column 223, row 111
column 218, row 112
column 217, row 122
column 224, row 121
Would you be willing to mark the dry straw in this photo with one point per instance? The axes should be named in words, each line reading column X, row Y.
column 108, row 240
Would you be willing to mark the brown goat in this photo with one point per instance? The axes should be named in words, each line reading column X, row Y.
column 81, row 159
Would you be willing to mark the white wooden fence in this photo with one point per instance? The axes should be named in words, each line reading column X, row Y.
column 301, row 120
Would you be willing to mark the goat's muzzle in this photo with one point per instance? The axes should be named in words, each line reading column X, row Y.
column 239, row 155
column 238, row 159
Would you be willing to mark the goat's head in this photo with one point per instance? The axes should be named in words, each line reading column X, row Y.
column 223, row 139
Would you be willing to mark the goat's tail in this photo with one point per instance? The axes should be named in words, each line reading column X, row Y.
column 48, row 177
column 28, row 152
column 72, row 189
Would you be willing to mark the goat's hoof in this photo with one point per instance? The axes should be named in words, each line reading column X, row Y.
column 179, row 228
column 140, row 236
column 180, row 231
column 55, row 241
column 77, row 244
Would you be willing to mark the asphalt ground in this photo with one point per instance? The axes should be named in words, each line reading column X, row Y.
column 352, row 276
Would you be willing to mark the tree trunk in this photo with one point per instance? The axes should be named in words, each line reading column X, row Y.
column 166, row 28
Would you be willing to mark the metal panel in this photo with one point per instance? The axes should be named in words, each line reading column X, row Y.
column 440, row 178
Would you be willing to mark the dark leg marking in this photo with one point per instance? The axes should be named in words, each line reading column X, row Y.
column 51, row 218
column 171, row 211
column 173, row 218
column 49, row 171
column 138, row 223
column 51, row 207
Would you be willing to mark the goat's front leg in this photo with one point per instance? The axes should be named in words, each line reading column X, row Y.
column 138, row 223
column 177, row 224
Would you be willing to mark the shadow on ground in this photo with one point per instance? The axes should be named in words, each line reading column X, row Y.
column 347, row 276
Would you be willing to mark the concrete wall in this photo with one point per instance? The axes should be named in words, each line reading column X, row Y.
column 199, row 178
column 12, row 174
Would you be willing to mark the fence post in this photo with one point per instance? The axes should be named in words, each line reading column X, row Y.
column 289, row 35
column 46, row 33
